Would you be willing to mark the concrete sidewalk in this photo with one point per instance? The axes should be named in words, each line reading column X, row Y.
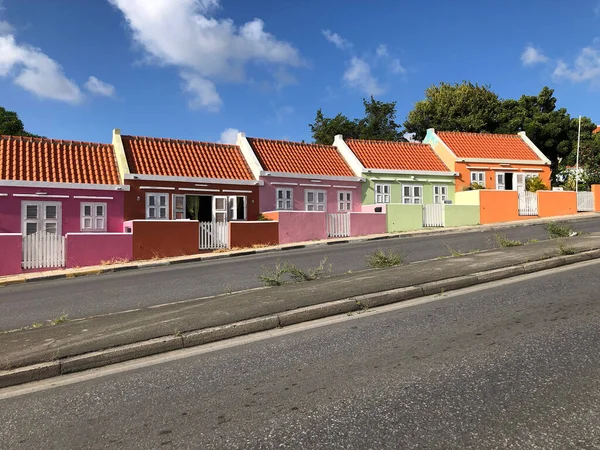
column 110, row 268
column 93, row 342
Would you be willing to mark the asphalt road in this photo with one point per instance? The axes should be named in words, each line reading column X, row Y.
column 515, row 365
column 24, row 305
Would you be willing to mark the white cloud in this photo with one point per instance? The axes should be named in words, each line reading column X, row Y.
column 205, row 50
column 5, row 27
column 358, row 75
column 229, row 136
column 97, row 87
column 585, row 68
column 35, row 72
column 337, row 40
column 382, row 51
column 532, row 56
column 281, row 113
column 396, row 67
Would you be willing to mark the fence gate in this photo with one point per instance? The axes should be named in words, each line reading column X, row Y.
column 43, row 250
column 338, row 225
column 433, row 215
column 528, row 204
column 214, row 235
column 585, row 201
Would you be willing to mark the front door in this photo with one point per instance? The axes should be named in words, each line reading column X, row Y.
column 219, row 208
column 509, row 179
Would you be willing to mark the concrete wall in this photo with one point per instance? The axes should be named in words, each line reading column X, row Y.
column 499, row 206
column 371, row 208
column 396, row 181
column 163, row 238
column 404, row 217
column 596, row 192
column 461, row 215
column 91, row 249
column 10, row 207
column 299, row 226
column 556, row 203
column 268, row 192
column 364, row 224
column 247, row 234
column 467, row 198
column 10, row 253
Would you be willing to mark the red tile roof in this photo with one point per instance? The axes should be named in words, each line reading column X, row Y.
column 37, row 159
column 596, row 130
column 488, row 146
column 300, row 158
column 396, row 155
column 177, row 158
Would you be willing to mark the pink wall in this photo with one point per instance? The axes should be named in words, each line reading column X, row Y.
column 371, row 208
column 300, row 226
column 91, row 249
column 268, row 192
column 10, row 207
column 363, row 224
column 10, row 253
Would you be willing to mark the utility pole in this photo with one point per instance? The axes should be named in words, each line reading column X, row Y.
column 577, row 163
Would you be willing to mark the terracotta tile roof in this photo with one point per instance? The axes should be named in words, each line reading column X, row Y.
column 37, row 159
column 300, row 158
column 488, row 146
column 596, row 130
column 396, row 155
column 177, row 158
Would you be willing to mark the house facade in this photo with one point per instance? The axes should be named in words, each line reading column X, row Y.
column 173, row 179
column 301, row 177
column 398, row 172
column 59, row 187
column 493, row 161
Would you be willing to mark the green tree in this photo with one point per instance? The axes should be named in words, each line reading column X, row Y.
column 325, row 129
column 11, row 125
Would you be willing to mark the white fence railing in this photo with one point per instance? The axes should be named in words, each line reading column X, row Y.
column 43, row 250
column 528, row 204
column 433, row 215
column 585, row 201
column 214, row 235
column 338, row 225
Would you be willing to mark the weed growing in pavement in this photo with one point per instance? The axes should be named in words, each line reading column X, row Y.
column 532, row 241
column 380, row 259
column 503, row 241
column 564, row 249
column 37, row 325
column 287, row 271
column 273, row 277
column 60, row 319
column 559, row 231
column 454, row 252
column 112, row 261
column 298, row 274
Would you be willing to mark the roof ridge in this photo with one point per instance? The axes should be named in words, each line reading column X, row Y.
column 378, row 141
column 284, row 141
column 59, row 141
column 191, row 141
column 481, row 133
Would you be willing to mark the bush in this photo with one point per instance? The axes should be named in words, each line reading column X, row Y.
column 474, row 187
column 559, row 231
column 379, row 259
column 535, row 184
column 503, row 241
column 262, row 218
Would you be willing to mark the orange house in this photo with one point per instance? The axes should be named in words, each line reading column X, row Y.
column 495, row 161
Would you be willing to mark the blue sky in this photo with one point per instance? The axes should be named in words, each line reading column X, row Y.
column 193, row 69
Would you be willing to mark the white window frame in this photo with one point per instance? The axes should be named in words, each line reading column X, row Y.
column 500, row 175
column 382, row 193
column 345, row 202
column 284, row 203
column 440, row 193
column 93, row 217
column 179, row 211
column 413, row 198
column 232, row 204
column 315, row 205
column 41, row 221
column 478, row 177
column 157, row 208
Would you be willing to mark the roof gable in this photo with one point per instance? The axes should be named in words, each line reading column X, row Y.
column 57, row 161
column 488, row 146
column 180, row 158
column 386, row 155
column 300, row 158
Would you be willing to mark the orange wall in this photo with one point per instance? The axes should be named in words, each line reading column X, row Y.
column 556, row 203
column 161, row 239
column 464, row 178
column 499, row 206
column 596, row 192
column 247, row 234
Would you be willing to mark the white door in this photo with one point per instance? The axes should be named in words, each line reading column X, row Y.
column 179, row 207
column 520, row 183
column 501, row 181
column 219, row 208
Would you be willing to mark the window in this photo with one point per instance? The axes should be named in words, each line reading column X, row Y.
column 501, row 181
column 93, row 216
column 344, row 201
column 157, row 206
column 412, row 194
column 315, row 200
column 382, row 193
column 236, row 208
column 40, row 216
column 179, row 207
column 285, row 199
column 478, row 177
column 440, row 194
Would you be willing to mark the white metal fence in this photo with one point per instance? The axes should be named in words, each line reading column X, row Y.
column 433, row 215
column 585, row 201
column 338, row 225
column 528, row 204
column 214, row 235
column 43, row 250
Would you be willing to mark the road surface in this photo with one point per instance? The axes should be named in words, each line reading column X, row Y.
column 511, row 365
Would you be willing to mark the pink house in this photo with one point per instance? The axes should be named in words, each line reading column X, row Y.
column 301, row 177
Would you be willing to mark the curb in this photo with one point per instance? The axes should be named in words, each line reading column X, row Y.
column 194, row 338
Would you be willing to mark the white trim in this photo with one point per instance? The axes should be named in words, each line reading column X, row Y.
column 382, row 193
column 233, row 191
column 480, row 168
column 313, row 176
column 426, row 180
column 284, row 199
column 202, row 185
column 345, row 187
column 11, row 234
column 412, row 195
column 412, row 172
column 157, row 207
column 432, row 138
column 199, row 190
column 41, row 196
column 93, row 216
column 385, row 179
column 315, row 181
column 158, row 188
column 192, row 180
column 347, row 153
column 480, row 182
column 49, row 185
column 316, row 185
column 532, row 170
column 530, row 162
column 3, row 195
column 505, row 169
column 533, row 147
column 443, row 197
column 41, row 220
column 85, row 197
column 344, row 201
column 249, row 155
column 280, row 183
column 315, row 201
column 102, row 233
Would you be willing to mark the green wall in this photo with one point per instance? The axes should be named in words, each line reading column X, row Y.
column 461, row 215
column 404, row 217
column 396, row 182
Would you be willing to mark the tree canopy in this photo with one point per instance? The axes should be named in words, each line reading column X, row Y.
column 11, row 125
column 378, row 123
